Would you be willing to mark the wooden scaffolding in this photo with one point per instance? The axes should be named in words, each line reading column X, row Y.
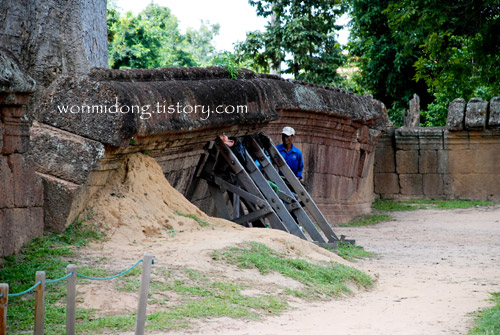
column 252, row 185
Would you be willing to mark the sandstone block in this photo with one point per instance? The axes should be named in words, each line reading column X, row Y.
column 411, row 184
column 19, row 226
column 6, row 184
column 431, row 138
column 386, row 183
column 384, row 158
column 59, row 198
column 406, row 161
column 433, row 185
column 27, row 186
column 494, row 118
column 428, row 161
column 476, row 114
column 62, row 154
column 456, row 115
column 16, row 136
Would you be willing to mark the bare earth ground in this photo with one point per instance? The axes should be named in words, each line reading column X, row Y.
column 434, row 268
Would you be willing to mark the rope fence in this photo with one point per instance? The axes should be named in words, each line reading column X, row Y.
column 71, row 274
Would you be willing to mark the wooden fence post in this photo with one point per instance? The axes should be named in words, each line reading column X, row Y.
column 143, row 297
column 71, row 300
column 39, row 303
column 4, row 300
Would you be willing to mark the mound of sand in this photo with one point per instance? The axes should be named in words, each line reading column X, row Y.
column 138, row 208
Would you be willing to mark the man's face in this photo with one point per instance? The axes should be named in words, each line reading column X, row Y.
column 287, row 140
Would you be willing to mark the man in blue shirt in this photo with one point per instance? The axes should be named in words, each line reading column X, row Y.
column 291, row 154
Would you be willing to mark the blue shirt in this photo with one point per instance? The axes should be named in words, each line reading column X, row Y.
column 293, row 158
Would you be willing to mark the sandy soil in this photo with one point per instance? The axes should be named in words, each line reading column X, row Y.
column 433, row 267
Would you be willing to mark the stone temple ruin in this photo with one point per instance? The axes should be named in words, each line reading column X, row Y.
column 58, row 147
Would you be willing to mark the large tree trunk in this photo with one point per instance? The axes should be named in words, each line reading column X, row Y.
column 51, row 37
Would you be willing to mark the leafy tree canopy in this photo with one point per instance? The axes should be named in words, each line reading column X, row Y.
column 300, row 34
column 440, row 50
column 152, row 39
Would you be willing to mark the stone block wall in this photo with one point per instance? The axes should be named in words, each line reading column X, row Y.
column 338, row 157
column 458, row 161
column 21, row 194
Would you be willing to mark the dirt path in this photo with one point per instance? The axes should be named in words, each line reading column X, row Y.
column 434, row 268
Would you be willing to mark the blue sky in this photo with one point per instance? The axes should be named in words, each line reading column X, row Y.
column 235, row 17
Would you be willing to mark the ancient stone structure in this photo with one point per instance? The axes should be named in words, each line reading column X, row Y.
column 338, row 155
column 169, row 124
column 460, row 160
column 21, row 194
column 76, row 143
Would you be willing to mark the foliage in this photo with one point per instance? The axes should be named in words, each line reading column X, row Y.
column 200, row 221
column 391, row 205
column 439, row 50
column 351, row 252
column 367, row 220
column 152, row 39
column 50, row 253
column 300, row 34
column 488, row 322
column 329, row 280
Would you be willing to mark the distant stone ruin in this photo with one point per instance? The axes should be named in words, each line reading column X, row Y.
column 460, row 160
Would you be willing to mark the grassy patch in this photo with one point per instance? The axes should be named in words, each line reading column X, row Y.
column 320, row 281
column 391, row 205
column 488, row 322
column 50, row 253
column 200, row 221
column 352, row 252
column 367, row 220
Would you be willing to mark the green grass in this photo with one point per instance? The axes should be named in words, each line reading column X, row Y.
column 367, row 220
column 381, row 208
column 200, row 221
column 391, row 205
column 352, row 252
column 488, row 322
column 329, row 280
column 50, row 253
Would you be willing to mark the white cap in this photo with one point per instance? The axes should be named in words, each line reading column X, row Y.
column 288, row 131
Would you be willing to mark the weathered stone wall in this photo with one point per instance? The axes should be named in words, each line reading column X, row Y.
column 21, row 196
column 75, row 152
column 338, row 157
column 459, row 161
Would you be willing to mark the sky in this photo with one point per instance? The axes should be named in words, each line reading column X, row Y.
column 235, row 17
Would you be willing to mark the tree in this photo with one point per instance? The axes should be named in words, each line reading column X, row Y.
column 152, row 39
column 459, row 43
column 385, row 62
column 438, row 49
column 301, row 34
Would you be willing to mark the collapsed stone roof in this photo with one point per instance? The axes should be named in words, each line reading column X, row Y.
column 154, row 90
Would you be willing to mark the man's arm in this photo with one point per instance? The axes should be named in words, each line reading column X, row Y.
column 300, row 165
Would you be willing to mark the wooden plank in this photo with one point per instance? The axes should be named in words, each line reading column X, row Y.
column 253, row 216
column 247, row 182
column 39, row 303
column 301, row 192
column 143, row 294
column 272, row 198
column 4, row 301
column 285, row 194
column 220, row 202
column 71, row 300
column 241, row 192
